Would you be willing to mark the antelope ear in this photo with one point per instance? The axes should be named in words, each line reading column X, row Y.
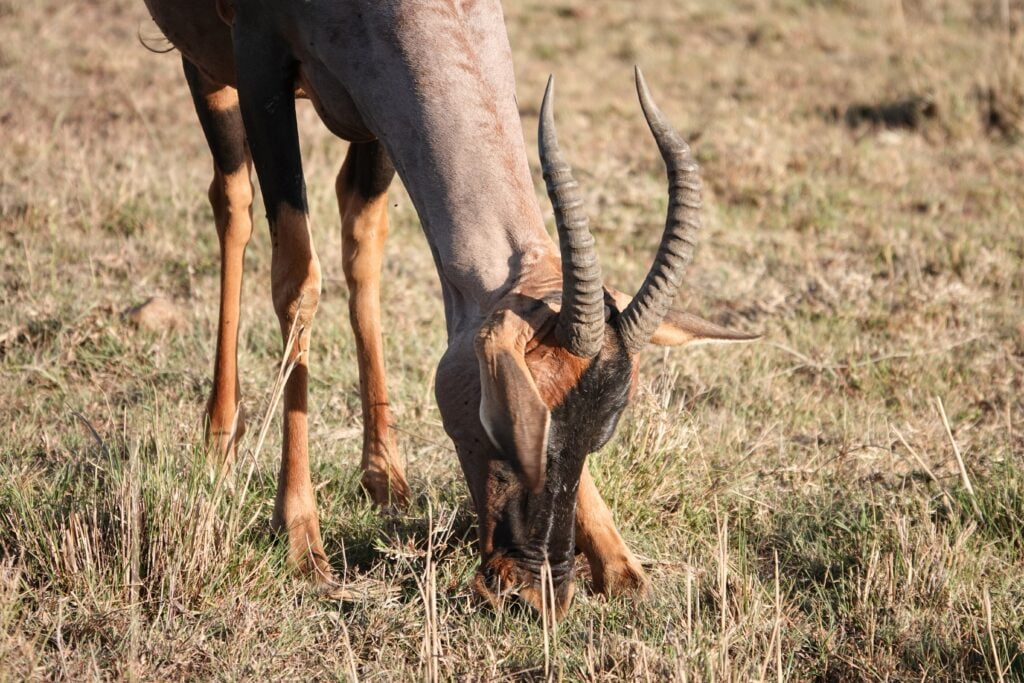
column 679, row 328
column 511, row 410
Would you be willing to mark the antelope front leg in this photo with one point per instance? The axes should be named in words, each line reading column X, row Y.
column 266, row 93
column 231, row 199
column 614, row 569
column 295, row 280
column 362, row 198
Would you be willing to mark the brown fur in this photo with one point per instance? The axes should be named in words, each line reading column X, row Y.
column 295, row 284
column 364, row 229
column 554, row 369
column 613, row 567
column 222, row 99
column 231, row 197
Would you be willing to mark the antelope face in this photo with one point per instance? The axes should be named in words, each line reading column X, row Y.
column 554, row 384
column 572, row 410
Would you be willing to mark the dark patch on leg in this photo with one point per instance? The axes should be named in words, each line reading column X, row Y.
column 368, row 169
column 225, row 133
column 266, row 91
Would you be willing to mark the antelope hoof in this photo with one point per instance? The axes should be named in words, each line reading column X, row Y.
column 386, row 486
column 222, row 437
column 306, row 556
column 314, row 567
column 622, row 577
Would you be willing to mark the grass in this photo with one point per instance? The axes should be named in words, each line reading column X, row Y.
column 800, row 503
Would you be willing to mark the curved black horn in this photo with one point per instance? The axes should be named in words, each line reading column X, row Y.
column 650, row 305
column 581, row 322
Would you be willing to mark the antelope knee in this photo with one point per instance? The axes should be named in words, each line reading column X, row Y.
column 231, row 196
column 295, row 268
column 297, row 292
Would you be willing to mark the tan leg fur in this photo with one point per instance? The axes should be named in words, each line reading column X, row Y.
column 614, row 569
column 364, row 225
column 231, row 198
column 295, row 282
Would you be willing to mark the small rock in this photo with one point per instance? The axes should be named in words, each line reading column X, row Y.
column 890, row 138
column 156, row 315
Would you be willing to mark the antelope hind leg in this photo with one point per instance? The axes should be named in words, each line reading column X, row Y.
column 362, row 199
column 231, row 198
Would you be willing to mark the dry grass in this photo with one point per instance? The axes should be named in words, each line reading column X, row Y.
column 805, row 510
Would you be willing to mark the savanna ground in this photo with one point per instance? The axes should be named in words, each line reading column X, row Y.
column 799, row 502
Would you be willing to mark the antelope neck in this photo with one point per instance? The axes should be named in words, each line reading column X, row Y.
column 440, row 96
column 472, row 189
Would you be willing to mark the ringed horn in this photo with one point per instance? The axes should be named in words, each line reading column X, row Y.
column 581, row 322
column 580, row 326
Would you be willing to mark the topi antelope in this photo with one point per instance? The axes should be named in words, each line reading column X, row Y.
column 542, row 354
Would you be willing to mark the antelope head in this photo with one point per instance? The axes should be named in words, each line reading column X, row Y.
column 555, row 378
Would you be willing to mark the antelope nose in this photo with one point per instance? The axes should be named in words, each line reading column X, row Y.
column 502, row 581
column 557, row 598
